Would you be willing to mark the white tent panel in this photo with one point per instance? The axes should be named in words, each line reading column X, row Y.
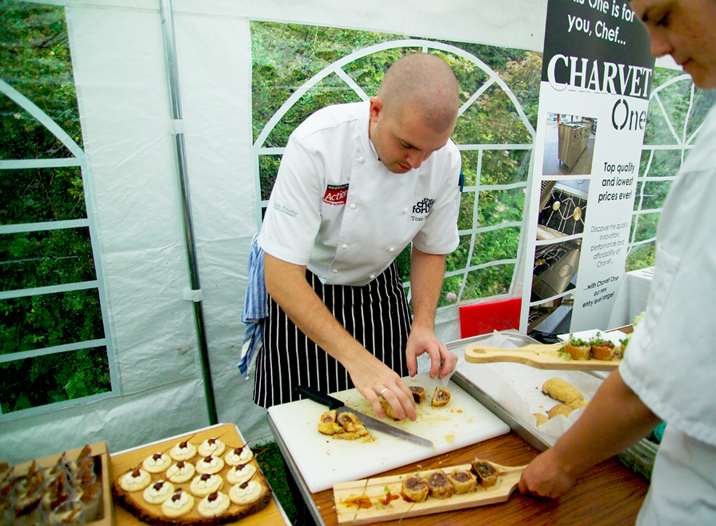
column 124, row 421
column 214, row 56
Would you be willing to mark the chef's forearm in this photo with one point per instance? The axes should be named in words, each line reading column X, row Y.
column 287, row 285
column 426, row 280
column 614, row 419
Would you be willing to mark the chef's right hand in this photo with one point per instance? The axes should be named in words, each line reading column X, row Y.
column 373, row 379
column 546, row 476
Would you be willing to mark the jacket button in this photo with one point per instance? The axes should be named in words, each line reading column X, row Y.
column 344, row 246
column 353, row 206
column 391, row 249
column 372, row 276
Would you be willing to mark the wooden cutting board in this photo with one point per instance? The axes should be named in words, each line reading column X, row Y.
column 324, row 461
column 536, row 355
column 373, row 492
column 122, row 461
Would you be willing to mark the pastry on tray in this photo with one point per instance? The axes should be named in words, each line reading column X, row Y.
column 441, row 397
column 157, row 462
column 158, row 492
column 485, row 472
column 602, row 349
column 214, row 504
column 180, row 503
column 418, row 393
column 345, row 426
column 212, row 493
column 206, row 483
column 135, row 479
column 183, row 451
column 570, row 399
column 246, row 493
column 463, row 481
column 577, row 349
column 240, row 474
column 211, row 446
column 561, row 390
column 180, row 472
column 327, row 424
column 415, row 489
column 238, row 455
column 439, row 485
column 210, row 465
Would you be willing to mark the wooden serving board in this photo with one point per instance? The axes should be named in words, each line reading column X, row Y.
column 375, row 489
column 536, row 355
column 121, row 462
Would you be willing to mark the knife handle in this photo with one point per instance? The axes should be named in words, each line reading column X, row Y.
column 318, row 396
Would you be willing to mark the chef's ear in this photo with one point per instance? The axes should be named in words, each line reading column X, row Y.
column 376, row 108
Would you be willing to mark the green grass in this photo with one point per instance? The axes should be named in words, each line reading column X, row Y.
column 269, row 458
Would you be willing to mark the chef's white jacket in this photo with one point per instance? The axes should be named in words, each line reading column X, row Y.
column 338, row 210
column 670, row 362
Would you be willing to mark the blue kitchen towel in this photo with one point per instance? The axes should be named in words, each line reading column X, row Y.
column 255, row 307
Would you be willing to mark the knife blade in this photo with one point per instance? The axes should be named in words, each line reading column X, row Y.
column 368, row 421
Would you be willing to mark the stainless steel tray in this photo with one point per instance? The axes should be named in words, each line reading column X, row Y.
column 481, row 396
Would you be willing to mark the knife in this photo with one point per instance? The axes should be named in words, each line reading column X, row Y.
column 368, row 421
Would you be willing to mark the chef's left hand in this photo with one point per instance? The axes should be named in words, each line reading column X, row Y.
column 423, row 340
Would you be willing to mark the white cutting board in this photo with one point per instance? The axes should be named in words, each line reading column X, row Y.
column 324, row 461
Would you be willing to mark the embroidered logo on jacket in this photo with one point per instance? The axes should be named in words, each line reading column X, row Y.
column 421, row 209
column 336, row 194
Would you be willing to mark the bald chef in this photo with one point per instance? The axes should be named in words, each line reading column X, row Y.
column 358, row 183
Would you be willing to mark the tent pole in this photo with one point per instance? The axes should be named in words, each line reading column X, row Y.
column 170, row 55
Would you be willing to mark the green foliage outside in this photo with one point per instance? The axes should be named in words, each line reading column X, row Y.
column 650, row 195
column 35, row 60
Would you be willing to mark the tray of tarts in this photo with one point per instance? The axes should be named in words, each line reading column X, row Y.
column 398, row 497
column 575, row 354
column 206, row 477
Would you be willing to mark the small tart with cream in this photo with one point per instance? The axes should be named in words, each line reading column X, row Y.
column 245, row 493
column 181, row 472
column 183, row 451
column 206, row 483
column 240, row 474
column 158, row 492
column 213, row 504
column 210, row 465
column 239, row 455
column 211, row 446
column 134, row 480
column 157, row 462
column 180, row 503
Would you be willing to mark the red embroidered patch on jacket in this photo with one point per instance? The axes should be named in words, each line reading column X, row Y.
column 336, row 194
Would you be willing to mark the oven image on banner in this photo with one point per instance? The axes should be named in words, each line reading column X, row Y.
column 594, row 95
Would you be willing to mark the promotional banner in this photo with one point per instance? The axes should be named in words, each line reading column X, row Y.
column 596, row 80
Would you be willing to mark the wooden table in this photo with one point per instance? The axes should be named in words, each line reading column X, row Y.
column 608, row 494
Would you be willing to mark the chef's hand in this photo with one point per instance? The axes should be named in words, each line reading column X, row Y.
column 545, row 476
column 373, row 378
column 423, row 340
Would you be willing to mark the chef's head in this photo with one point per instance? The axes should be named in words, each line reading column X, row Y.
column 414, row 112
column 683, row 29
